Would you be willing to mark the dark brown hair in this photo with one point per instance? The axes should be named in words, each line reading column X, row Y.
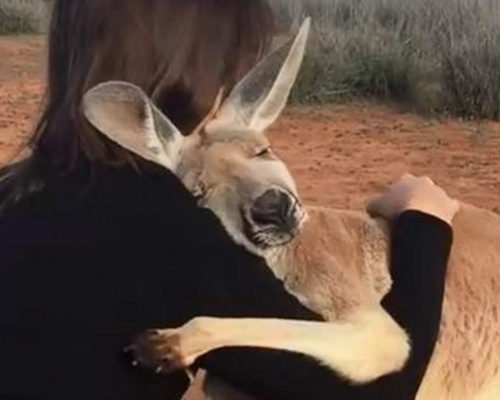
column 180, row 52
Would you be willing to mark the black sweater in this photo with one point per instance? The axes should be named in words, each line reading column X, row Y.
column 82, row 272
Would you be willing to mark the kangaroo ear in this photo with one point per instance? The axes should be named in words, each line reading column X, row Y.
column 258, row 100
column 125, row 114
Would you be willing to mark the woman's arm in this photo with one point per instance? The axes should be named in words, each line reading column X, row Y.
column 420, row 256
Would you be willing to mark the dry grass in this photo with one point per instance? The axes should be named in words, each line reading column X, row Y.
column 437, row 55
column 22, row 16
column 434, row 55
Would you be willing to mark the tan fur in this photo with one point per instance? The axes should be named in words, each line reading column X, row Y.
column 466, row 364
column 338, row 264
column 332, row 265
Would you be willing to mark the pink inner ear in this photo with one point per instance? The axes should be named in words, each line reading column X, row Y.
column 124, row 114
column 123, row 123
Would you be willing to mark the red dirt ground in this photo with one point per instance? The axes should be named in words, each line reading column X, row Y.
column 340, row 155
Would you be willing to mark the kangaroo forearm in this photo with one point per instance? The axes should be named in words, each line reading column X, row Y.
column 364, row 348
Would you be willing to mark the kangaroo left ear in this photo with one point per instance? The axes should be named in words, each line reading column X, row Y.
column 258, row 100
column 124, row 113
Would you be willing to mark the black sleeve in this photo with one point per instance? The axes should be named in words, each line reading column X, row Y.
column 419, row 260
column 420, row 249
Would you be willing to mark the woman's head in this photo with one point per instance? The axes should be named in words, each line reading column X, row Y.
column 179, row 51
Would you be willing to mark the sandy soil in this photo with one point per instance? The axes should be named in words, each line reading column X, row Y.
column 21, row 88
column 340, row 155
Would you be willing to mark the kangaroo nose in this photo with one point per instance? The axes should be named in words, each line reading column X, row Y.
column 277, row 208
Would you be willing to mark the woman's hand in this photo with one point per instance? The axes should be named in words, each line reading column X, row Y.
column 414, row 193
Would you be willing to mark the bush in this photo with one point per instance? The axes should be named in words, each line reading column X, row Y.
column 22, row 16
column 439, row 55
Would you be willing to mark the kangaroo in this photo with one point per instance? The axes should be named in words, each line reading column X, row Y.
column 334, row 261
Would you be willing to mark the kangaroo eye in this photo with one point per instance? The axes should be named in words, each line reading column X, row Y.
column 267, row 151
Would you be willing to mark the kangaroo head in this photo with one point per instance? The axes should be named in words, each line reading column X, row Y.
column 228, row 164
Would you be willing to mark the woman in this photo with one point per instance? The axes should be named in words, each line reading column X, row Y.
column 96, row 245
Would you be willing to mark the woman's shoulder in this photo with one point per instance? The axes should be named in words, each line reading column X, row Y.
column 126, row 195
column 106, row 189
column 149, row 205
